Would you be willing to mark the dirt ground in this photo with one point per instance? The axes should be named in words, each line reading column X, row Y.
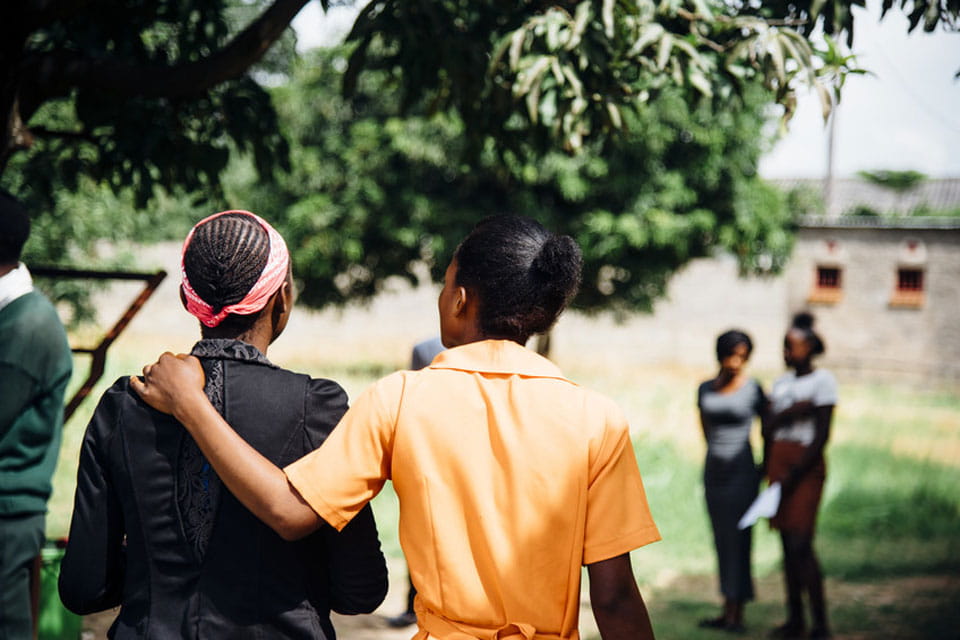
column 901, row 608
column 893, row 609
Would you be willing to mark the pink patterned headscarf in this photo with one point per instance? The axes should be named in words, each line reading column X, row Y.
column 273, row 275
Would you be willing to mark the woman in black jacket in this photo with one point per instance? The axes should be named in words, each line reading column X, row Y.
column 155, row 532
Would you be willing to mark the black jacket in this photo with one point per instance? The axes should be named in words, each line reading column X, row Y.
column 155, row 532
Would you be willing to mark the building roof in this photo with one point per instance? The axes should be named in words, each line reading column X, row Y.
column 870, row 222
column 935, row 194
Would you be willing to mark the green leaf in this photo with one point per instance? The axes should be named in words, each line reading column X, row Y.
column 556, row 70
column 572, row 78
column 700, row 82
column 649, row 33
column 531, row 75
column 607, row 17
column 663, row 52
column 516, row 46
column 615, row 118
column 548, row 108
column 582, row 17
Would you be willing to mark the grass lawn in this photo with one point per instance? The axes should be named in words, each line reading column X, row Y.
column 889, row 530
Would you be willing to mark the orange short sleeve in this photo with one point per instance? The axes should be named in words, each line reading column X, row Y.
column 618, row 517
column 351, row 466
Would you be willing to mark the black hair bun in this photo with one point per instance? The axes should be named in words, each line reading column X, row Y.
column 559, row 262
column 523, row 274
column 803, row 320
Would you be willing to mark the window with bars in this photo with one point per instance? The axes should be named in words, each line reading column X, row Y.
column 827, row 285
column 909, row 291
column 910, row 280
column 828, row 277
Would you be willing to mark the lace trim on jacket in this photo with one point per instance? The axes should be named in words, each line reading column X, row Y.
column 198, row 486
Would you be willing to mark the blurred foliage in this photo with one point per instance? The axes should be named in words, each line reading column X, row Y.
column 563, row 72
column 806, row 200
column 454, row 109
column 94, row 228
column 141, row 141
column 898, row 181
column 375, row 194
column 863, row 211
column 98, row 168
column 926, row 211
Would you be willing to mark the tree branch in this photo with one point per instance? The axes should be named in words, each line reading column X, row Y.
column 57, row 73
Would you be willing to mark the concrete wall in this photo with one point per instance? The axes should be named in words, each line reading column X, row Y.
column 864, row 334
column 704, row 299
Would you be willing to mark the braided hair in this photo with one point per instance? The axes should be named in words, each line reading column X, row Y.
column 14, row 228
column 223, row 261
column 523, row 275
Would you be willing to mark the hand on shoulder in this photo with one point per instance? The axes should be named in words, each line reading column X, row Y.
column 171, row 382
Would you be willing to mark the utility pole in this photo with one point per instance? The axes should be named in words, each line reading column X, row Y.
column 828, row 185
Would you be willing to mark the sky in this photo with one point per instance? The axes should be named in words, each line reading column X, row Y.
column 904, row 115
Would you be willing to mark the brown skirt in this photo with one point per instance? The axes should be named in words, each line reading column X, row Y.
column 798, row 511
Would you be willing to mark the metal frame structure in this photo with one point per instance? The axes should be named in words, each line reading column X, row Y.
column 98, row 353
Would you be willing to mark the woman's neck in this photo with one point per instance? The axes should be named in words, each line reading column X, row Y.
column 254, row 336
column 726, row 381
column 804, row 368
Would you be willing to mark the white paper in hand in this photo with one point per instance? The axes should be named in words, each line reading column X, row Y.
column 765, row 506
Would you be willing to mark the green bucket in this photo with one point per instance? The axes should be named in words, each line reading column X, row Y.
column 55, row 622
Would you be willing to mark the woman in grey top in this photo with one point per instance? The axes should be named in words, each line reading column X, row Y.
column 728, row 404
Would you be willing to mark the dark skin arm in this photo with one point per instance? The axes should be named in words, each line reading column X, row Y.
column 823, row 417
column 615, row 599
column 791, row 413
column 770, row 421
column 766, row 434
column 704, row 424
column 174, row 385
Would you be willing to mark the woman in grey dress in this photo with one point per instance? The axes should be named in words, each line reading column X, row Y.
column 728, row 405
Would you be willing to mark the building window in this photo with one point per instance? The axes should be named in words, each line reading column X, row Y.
column 828, row 278
column 909, row 280
column 827, row 288
column 909, row 290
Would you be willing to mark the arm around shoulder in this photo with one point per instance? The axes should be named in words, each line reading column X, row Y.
column 174, row 384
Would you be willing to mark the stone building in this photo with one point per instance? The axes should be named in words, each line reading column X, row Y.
column 886, row 293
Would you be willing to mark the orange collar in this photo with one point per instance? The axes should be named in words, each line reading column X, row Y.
column 503, row 357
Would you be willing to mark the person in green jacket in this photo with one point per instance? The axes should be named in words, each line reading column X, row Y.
column 35, row 367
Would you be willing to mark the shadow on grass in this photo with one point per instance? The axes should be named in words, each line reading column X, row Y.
column 919, row 608
column 888, row 516
column 888, row 539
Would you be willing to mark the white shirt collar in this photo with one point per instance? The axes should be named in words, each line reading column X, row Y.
column 14, row 284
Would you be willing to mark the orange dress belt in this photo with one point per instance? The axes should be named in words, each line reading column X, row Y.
column 432, row 625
